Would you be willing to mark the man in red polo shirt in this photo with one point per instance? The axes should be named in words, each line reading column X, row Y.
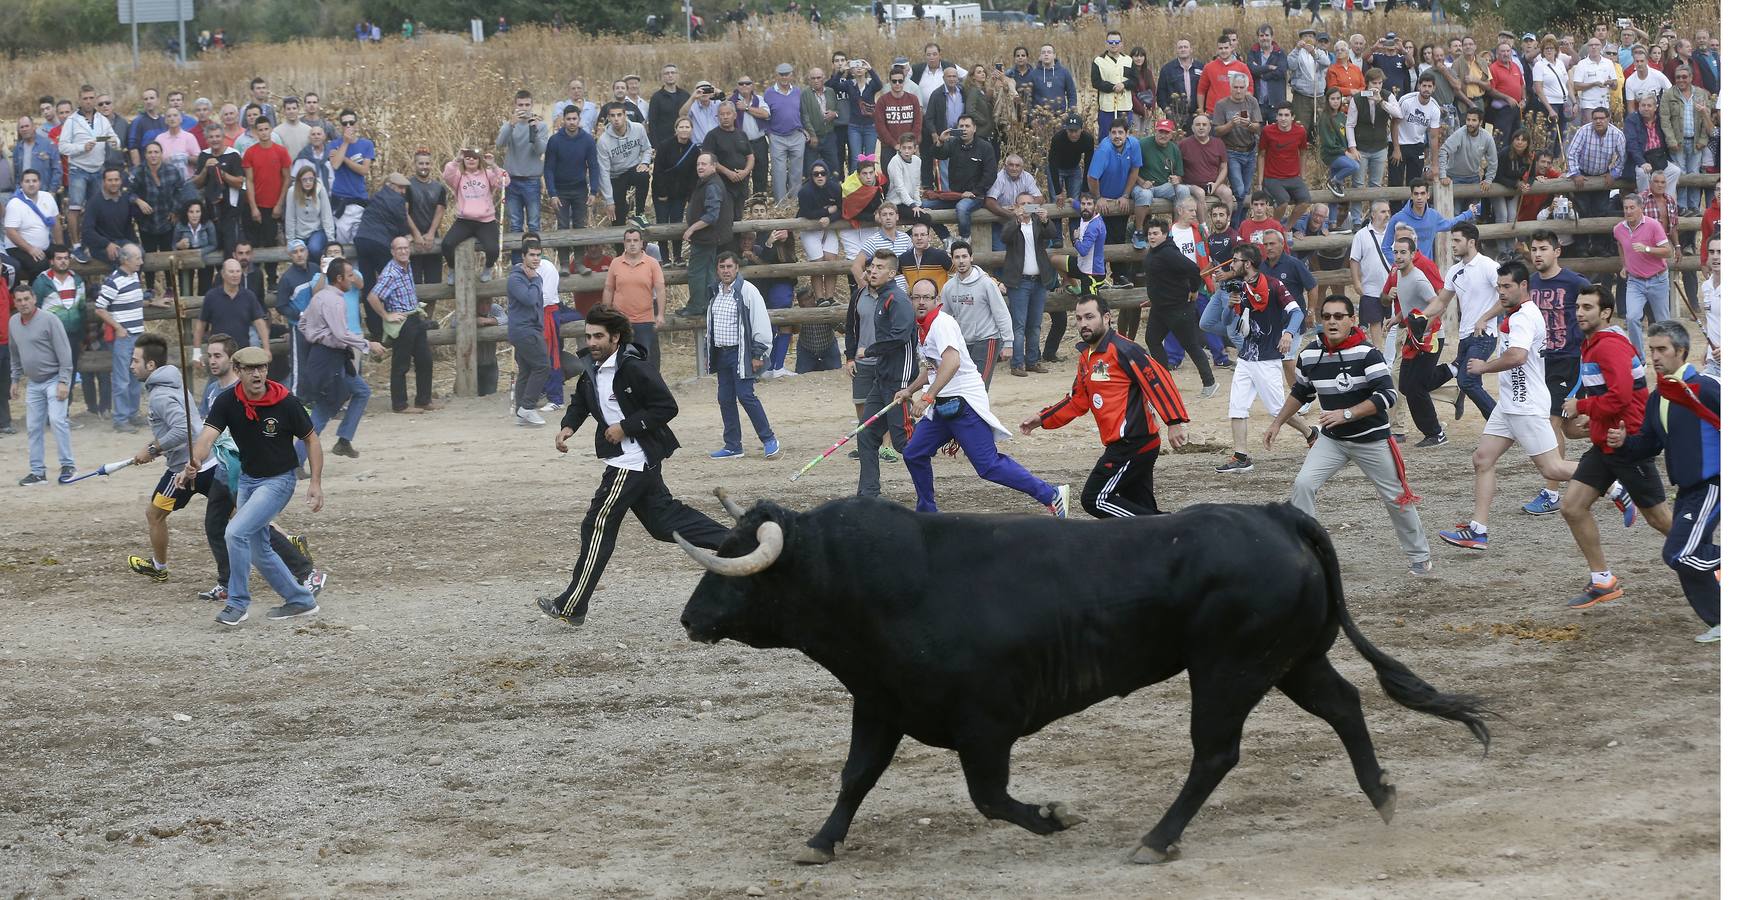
column 1279, row 173
column 1506, row 94
column 1213, row 85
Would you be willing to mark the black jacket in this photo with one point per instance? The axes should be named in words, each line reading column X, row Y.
column 1016, row 250
column 1172, row 277
column 648, row 406
column 973, row 167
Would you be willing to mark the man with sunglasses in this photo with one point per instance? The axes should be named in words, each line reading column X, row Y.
column 1114, row 81
column 1355, row 391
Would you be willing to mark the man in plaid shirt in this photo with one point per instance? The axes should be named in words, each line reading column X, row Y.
column 394, row 299
column 1596, row 150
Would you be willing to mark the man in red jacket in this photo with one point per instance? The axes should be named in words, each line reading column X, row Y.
column 1611, row 394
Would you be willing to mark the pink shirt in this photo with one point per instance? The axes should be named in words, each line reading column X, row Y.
column 182, row 148
column 1649, row 233
column 474, row 192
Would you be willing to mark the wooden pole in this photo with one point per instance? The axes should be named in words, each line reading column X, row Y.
column 466, row 319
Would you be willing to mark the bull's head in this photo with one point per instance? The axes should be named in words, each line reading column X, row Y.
column 722, row 606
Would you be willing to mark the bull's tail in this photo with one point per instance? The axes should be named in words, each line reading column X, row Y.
column 1399, row 683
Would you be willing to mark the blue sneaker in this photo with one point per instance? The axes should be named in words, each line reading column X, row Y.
column 233, row 615
column 770, row 449
column 80, row 254
column 1139, row 242
column 1463, row 536
column 723, row 453
column 1543, row 504
column 1624, row 501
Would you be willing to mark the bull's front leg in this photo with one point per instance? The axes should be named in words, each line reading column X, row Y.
column 987, row 769
column 873, row 746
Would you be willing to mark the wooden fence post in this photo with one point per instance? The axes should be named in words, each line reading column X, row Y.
column 1441, row 197
column 466, row 319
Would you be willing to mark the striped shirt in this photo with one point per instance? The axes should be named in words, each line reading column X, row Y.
column 124, row 297
column 723, row 314
column 1342, row 379
column 397, row 291
column 897, row 245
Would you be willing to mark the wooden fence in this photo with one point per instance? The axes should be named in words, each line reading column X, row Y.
column 464, row 333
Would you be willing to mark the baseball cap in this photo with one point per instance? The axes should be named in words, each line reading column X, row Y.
column 296, row 244
column 1390, row 36
column 783, row 69
column 1073, row 122
column 1165, row 125
column 252, row 356
column 1530, row 35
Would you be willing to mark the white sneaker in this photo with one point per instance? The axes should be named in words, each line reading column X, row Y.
column 529, row 417
column 549, row 407
column 1710, row 636
column 486, row 275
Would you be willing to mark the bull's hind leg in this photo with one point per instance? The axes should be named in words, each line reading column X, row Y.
column 1221, row 701
column 1320, row 689
column 987, row 768
column 873, row 746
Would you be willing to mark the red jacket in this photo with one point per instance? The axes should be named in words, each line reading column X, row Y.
column 1612, row 387
column 1118, row 381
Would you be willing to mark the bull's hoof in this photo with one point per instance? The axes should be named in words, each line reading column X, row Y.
column 811, row 856
column 1060, row 813
column 1146, row 855
column 1387, row 804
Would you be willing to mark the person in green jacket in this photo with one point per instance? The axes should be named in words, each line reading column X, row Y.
column 1341, row 160
column 1160, row 178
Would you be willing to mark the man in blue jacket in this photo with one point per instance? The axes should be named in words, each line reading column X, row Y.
column 572, row 171
column 526, row 332
column 1681, row 422
column 1427, row 221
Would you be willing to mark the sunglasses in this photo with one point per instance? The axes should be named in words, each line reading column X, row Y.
column 897, row 81
column 1336, row 317
column 1111, row 42
column 820, row 173
column 348, row 123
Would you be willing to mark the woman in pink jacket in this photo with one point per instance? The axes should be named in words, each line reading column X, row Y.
column 477, row 185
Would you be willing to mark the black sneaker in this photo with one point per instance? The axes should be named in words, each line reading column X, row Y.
column 67, row 472
column 548, row 607
column 1432, row 440
column 344, row 448
column 1336, row 188
column 293, row 611
column 1458, row 406
column 1236, row 464
column 32, row 480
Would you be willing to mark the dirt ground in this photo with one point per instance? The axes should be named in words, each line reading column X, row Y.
column 431, row 734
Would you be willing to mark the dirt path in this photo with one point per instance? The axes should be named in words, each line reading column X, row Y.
column 431, row 734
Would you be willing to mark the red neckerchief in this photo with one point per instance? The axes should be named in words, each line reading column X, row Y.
column 1355, row 337
column 926, row 320
column 1686, row 395
column 1257, row 293
column 274, row 393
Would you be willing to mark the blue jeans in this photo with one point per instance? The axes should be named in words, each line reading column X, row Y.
column 355, row 400
column 1373, row 166
column 1242, row 167
column 1476, row 346
column 806, row 362
column 522, row 200
column 1342, row 169
column 779, row 297
column 1027, row 308
column 1689, row 160
column 248, row 538
column 861, row 141
column 82, row 186
column 124, row 389
column 964, row 209
column 316, row 241
column 732, row 392
column 1066, row 185
column 1217, row 322
column 42, row 411
column 978, row 444
column 1641, row 292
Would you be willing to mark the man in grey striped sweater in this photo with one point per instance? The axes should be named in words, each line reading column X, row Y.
column 121, row 306
column 1355, row 393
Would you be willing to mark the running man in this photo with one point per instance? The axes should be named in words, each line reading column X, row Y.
column 167, row 413
column 1118, row 381
column 881, row 325
column 1555, row 291
column 950, row 403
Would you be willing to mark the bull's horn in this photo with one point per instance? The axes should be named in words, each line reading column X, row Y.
column 732, row 509
column 769, row 542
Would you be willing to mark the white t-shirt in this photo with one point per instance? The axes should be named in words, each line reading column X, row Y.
column 1654, row 83
column 1185, row 237
column 1365, row 251
column 547, row 280
column 1417, row 117
column 944, row 334
column 633, row 457
column 29, row 224
column 1523, row 391
column 1598, row 72
column 1477, row 284
column 1713, row 298
column 1553, row 78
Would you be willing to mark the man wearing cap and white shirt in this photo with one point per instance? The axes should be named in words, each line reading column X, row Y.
column 1592, row 78
column 786, row 134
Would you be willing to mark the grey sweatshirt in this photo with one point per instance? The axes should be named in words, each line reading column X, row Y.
column 40, row 350
column 978, row 306
column 524, row 143
column 620, row 154
column 167, row 415
column 1463, row 156
column 525, row 306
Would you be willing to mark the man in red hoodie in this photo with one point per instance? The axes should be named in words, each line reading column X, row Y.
column 1612, row 392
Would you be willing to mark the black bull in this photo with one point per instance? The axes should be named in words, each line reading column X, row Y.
column 970, row 631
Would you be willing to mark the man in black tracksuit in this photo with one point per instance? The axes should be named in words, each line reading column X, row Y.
column 633, row 409
column 1172, row 280
column 883, row 316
